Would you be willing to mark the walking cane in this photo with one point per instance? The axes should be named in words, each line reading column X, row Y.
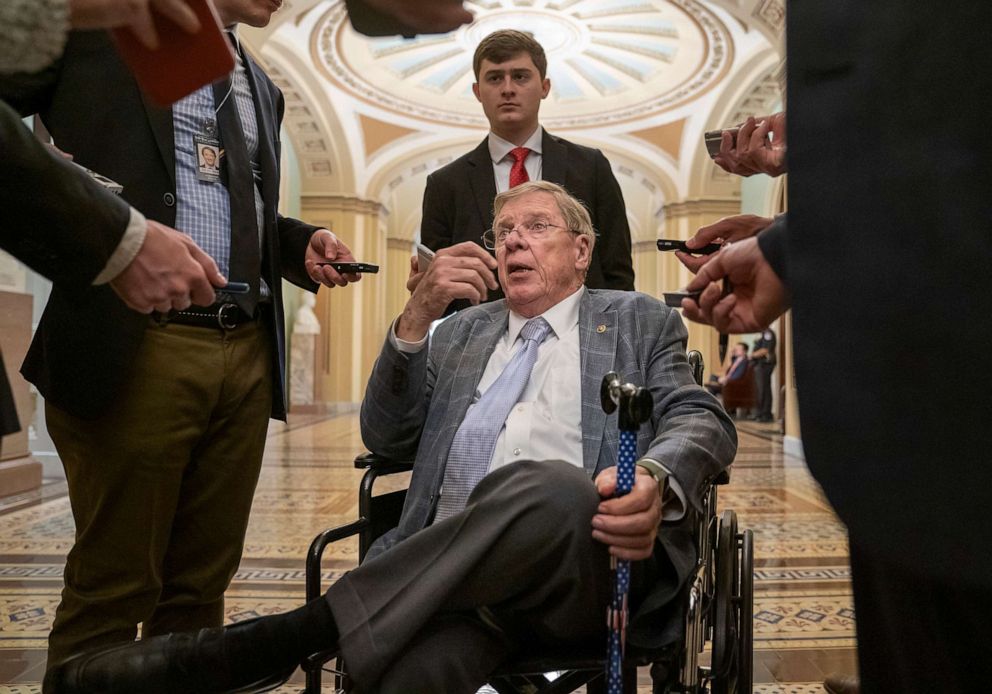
column 635, row 405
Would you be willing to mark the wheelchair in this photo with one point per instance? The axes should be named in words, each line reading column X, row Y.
column 718, row 605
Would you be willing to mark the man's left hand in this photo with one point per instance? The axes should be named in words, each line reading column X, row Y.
column 758, row 295
column 628, row 524
column 325, row 247
column 751, row 151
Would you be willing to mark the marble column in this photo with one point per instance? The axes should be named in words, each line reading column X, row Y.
column 352, row 319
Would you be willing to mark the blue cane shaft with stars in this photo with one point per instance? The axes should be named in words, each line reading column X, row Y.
column 617, row 613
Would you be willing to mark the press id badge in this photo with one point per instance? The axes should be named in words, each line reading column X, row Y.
column 208, row 152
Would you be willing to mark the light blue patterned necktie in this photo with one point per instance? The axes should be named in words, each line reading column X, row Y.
column 472, row 448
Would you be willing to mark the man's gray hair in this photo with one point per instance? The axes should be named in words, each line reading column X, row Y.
column 573, row 211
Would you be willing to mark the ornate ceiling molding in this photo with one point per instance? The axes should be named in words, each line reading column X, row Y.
column 310, row 143
column 632, row 59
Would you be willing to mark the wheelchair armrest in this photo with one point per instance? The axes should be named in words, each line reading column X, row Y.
column 317, row 548
column 384, row 465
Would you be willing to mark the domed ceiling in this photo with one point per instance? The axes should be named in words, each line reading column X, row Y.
column 609, row 61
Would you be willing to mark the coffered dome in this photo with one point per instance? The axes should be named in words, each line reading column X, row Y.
column 609, row 61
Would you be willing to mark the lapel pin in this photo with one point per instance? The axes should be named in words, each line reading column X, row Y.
column 600, row 328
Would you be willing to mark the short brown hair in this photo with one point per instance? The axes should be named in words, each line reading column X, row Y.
column 504, row 44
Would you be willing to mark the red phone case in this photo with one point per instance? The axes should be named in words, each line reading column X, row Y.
column 183, row 62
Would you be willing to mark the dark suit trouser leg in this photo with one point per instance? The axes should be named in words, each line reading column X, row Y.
column 523, row 548
column 763, row 389
column 919, row 635
column 161, row 487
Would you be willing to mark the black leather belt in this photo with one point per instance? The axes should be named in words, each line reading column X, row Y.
column 225, row 316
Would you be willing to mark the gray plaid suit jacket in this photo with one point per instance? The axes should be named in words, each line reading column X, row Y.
column 415, row 402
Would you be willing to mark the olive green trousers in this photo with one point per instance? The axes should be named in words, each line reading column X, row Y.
column 161, row 486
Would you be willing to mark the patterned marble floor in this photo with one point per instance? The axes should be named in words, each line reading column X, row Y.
column 804, row 613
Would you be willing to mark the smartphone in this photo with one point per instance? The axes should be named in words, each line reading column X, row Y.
column 713, row 138
column 113, row 186
column 183, row 62
column 675, row 245
column 353, row 268
column 425, row 256
column 674, row 299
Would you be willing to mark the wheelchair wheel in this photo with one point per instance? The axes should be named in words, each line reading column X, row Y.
column 745, row 613
column 725, row 668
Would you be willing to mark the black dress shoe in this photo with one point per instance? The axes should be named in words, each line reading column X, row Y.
column 842, row 684
column 193, row 663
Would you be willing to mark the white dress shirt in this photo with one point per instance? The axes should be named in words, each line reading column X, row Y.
column 546, row 422
column 499, row 150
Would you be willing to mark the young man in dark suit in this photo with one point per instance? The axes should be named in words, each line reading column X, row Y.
column 160, row 423
column 510, row 70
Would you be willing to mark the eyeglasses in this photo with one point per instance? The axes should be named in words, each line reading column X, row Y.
column 496, row 237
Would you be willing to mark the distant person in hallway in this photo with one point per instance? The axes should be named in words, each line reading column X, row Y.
column 735, row 370
column 511, row 82
column 508, row 524
column 764, row 359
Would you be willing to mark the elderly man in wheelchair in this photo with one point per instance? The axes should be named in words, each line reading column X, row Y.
column 504, row 542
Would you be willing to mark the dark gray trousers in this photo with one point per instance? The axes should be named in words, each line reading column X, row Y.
column 523, row 549
column 763, row 388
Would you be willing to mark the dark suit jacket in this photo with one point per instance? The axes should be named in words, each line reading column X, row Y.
column 69, row 242
column 415, row 402
column 89, row 101
column 888, row 249
column 458, row 205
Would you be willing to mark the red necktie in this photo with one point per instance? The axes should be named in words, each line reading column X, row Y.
column 518, row 174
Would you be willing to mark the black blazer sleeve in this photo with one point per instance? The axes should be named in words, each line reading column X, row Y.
column 56, row 220
column 294, row 237
column 610, row 222
column 772, row 242
column 435, row 225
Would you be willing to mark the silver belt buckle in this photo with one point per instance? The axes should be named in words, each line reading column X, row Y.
column 226, row 316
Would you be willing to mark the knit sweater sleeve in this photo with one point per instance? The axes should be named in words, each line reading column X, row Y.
column 32, row 33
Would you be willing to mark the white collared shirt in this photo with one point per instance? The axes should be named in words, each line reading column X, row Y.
column 499, row 150
column 546, row 422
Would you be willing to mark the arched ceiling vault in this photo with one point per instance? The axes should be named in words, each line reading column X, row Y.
column 640, row 79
